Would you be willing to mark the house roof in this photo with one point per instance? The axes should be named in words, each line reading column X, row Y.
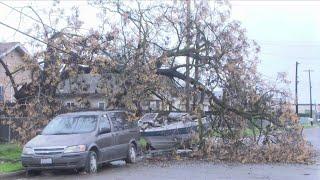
column 81, row 113
column 7, row 47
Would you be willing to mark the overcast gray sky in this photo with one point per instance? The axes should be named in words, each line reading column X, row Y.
column 287, row 31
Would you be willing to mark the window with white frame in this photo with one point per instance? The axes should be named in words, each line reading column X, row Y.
column 101, row 105
column 70, row 104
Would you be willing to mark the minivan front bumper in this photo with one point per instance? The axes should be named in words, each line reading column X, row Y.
column 61, row 161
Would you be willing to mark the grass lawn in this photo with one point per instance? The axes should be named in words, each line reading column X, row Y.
column 248, row 132
column 143, row 143
column 10, row 167
column 10, row 158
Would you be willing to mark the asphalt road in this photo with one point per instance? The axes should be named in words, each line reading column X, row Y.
column 200, row 169
column 313, row 135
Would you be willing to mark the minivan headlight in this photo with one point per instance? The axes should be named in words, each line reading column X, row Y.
column 75, row 149
column 27, row 151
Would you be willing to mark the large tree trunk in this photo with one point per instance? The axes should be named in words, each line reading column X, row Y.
column 10, row 75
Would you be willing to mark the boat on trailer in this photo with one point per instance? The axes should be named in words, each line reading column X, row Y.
column 167, row 131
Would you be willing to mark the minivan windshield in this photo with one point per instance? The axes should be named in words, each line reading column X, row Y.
column 71, row 125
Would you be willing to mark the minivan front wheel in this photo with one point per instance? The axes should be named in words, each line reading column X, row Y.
column 92, row 163
column 33, row 172
column 132, row 154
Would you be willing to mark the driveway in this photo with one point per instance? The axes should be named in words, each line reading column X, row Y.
column 200, row 169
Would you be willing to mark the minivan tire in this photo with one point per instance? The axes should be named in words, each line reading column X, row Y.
column 33, row 172
column 132, row 154
column 91, row 166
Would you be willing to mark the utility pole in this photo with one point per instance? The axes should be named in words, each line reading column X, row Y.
column 310, row 87
column 188, row 59
column 296, row 90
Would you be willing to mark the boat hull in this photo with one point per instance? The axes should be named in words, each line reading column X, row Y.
column 163, row 139
column 170, row 132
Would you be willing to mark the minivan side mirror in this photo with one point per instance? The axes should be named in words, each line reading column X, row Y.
column 104, row 130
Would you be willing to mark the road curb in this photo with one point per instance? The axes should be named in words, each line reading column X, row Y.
column 12, row 174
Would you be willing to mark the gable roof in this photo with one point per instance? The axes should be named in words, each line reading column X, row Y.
column 6, row 48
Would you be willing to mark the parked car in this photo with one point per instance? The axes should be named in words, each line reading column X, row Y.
column 83, row 141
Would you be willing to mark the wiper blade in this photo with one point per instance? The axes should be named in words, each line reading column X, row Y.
column 60, row 133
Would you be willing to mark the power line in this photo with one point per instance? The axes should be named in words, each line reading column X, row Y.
column 27, row 15
column 276, row 5
column 6, row 25
column 286, row 41
column 291, row 45
column 279, row 55
column 37, row 20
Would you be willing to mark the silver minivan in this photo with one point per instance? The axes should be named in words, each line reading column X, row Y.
column 82, row 141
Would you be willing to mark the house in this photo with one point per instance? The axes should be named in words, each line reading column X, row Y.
column 84, row 91
column 84, row 86
column 156, row 104
column 11, row 56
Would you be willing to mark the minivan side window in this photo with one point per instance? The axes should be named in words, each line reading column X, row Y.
column 124, row 119
column 117, row 123
column 126, row 123
column 104, row 122
column 119, row 120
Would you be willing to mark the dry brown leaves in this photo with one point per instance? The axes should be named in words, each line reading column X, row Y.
column 287, row 150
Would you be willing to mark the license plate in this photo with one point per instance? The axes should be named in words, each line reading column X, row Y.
column 46, row 161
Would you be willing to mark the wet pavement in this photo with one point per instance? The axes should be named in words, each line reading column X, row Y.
column 199, row 169
column 313, row 135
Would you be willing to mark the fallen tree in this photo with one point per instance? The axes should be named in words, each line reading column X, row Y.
column 194, row 45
